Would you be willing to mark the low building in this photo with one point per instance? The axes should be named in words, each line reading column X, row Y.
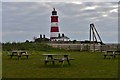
column 60, row 38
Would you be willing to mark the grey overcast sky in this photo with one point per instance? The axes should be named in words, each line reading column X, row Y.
column 24, row 20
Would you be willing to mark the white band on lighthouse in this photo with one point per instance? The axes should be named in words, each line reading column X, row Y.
column 54, row 24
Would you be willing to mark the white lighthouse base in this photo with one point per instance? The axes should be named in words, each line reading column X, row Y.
column 54, row 34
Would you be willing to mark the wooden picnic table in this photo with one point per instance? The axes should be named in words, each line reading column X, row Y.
column 53, row 57
column 18, row 53
column 111, row 53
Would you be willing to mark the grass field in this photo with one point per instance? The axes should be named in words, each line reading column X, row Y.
column 85, row 65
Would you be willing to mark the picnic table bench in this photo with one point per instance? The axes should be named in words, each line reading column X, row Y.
column 111, row 53
column 50, row 58
column 19, row 54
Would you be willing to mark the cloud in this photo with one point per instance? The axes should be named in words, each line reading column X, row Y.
column 104, row 15
column 90, row 8
column 60, row 1
column 114, row 10
column 23, row 20
column 76, row 2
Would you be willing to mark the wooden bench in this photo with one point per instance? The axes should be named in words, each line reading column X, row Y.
column 64, row 59
column 110, row 54
column 117, row 52
column 58, row 60
column 50, row 58
column 19, row 54
column 24, row 53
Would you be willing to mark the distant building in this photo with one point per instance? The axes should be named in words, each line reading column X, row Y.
column 61, row 38
column 41, row 39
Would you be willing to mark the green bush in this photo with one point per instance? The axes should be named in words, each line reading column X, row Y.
column 28, row 46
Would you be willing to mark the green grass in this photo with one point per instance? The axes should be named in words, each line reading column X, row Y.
column 85, row 65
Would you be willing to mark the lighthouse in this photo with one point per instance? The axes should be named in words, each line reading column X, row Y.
column 54, row 25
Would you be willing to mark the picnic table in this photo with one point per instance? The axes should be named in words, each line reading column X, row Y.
column 54, row 57
column 19, row 53
column 111, row 53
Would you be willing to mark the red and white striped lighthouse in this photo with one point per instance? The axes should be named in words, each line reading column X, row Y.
column 54, row 25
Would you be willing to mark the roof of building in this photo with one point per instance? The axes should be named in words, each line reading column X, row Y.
column 65, row 37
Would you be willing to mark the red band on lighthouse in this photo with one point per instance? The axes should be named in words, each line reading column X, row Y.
column 54, row 18
column 54, row 29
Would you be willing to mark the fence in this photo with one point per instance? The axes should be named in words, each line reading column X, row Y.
column 86, row 47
